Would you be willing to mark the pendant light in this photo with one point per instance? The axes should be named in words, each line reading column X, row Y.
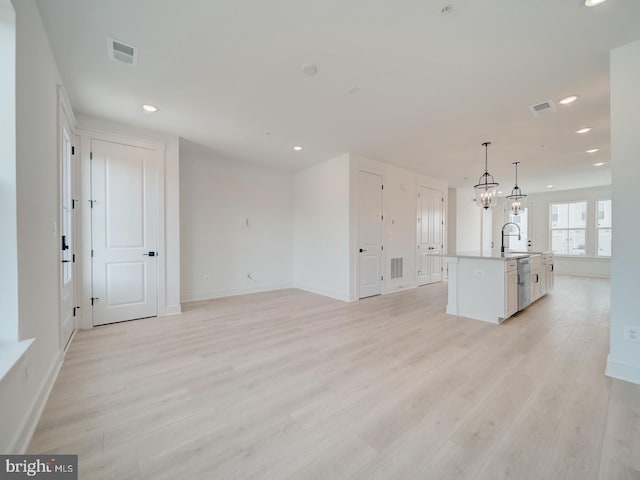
column 517, row 198
column 487, row 188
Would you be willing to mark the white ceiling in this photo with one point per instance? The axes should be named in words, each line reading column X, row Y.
column 431, row 88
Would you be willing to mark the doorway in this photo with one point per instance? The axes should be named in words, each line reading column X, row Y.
column 430, row 235
column 124, row 231
column 370, row 234
column 67, row 219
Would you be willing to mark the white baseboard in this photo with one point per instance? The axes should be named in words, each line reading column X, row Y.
column 398, row 288
column 324, row 292
column 172, row 310
column 197, row 297
column 622, row 371
column 22, row 438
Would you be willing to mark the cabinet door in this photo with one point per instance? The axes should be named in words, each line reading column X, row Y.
column 511, row 281
column 535, row 285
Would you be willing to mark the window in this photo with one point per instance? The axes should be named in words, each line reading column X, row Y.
column 603, row 227
column 568, row 228
column 522, row 221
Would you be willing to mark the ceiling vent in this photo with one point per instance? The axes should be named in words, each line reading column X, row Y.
column 122, row 52
column 543, row 108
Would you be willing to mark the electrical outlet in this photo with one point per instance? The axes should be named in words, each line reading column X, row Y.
column 632, row 333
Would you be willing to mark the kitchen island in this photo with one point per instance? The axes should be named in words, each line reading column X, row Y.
column 488, row 286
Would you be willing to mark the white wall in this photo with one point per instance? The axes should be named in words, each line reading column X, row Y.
column 8, row 218
column 624, row 355
column 171, row 257
column 322, row 229
column 538, row 204
column 400, row 209
column 219, row 249
column 22, row 396
column 468, row 221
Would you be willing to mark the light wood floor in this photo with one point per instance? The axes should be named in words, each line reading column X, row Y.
column 291, row 385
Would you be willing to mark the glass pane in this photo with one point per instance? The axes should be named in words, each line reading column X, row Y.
column 559, row 243
column 559, row 215
column 577, row 243
column 604, row 213
column 604, row 242
column 578, row 215
column 522, row 221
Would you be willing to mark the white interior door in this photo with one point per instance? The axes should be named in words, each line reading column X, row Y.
column 430, row 235
column 370, row 234
column 124, row 232
column 67, row 234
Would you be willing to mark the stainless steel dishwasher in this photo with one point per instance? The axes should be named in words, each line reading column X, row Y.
column 524, row 282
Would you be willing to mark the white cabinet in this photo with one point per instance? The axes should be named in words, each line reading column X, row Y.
column 536, row 274
column 511, row 286
column 547, row 265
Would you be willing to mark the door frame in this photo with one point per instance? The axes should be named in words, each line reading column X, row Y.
column 65, row 114
column 443, row 231
column 355, row 186
column 86, row 135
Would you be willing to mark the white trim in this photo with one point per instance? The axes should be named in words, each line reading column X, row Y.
column 86, row 135
column 11, row 353
column 622, row 371
column 325, row 292
column 20, row 442
column 199, row 297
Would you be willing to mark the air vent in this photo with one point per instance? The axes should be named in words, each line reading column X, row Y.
column 396, row 268
column 542, row 109
column 122, row 52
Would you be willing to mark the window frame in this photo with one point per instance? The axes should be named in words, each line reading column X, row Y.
column 569, row 228
column 598, row 228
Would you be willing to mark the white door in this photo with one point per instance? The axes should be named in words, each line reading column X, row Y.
column 430, row 235
column 67, row 234
column 123, row 232
column 370, row 234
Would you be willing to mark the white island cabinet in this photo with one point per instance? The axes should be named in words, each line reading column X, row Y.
column 484, row 285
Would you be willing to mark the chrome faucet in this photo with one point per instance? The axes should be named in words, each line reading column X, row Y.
column 509, row 234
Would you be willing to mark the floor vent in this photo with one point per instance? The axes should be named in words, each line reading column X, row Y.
column 122, row 52
column 542, row 109
column 396, row 268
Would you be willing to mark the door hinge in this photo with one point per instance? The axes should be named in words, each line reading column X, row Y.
column 381, row 277
column 73, row 204
column 381, row 217
column 381, row 187
column 73, row 152
column 75, row 309
column 442, row 198
column 91, row 202
column 73, row 258
column 93, row 300
column 382, row 247
column 90, row 155
column 91, row 253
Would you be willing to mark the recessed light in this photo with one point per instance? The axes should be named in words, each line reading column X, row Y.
column 446, row 9
column 568, row 100
column 593, row 150
column 599, row 164
column 499, row 193
column 309, row 69
column 549, row 186
column 297, row 148
column 149, row 108
column 584, row 130
column 593, row 3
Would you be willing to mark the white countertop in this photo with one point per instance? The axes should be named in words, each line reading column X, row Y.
column 493, row 255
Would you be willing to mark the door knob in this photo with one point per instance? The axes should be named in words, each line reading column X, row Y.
column 362, row 250
column 151, row 254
